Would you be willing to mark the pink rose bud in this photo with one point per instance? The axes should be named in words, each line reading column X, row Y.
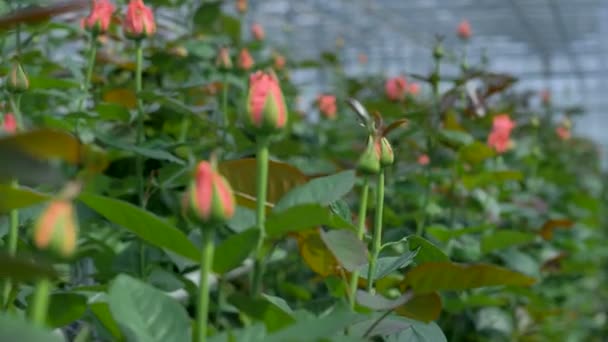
column 423, row 160
column 464, row 30
column 563, row 132
column 499, row 138
column 56, row 229
column 369, row 162
column 395, row 88
column 139, row 21
column 241, row 6
column 327, row 106
column 413, row 89
column 245, row 60
column 279, row 62
column 10, row 123
column 386, row 152
column 17, row 81
column 100, row 17
column 545, row 97
column 257, row 31
column 362, row 58
column 223, row 60
column 266, row 110
column 209, row 197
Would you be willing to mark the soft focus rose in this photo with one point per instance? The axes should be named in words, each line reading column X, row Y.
column 223, row 60
column 57, row 228
column 279, row 62
column 266, row 110
column 395, row 88
column 98, row 21
column 10, row 123
column 464, row 30
column 362, row 58
column 499, row 138
column 139, row 21
column 423, row 160
column 245, row 60
column 241, row 6
column 545, row 97
column 563, row 133
column 413, row 89
column 209, row 197
column 257, row 31
column 327, row 106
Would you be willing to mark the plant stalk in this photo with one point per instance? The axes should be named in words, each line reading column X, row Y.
column 354, row 278
column 377, row 237
column 262, row 187
column 40, row 304
column 203, row 297
column 139, row 161
column 89, row 73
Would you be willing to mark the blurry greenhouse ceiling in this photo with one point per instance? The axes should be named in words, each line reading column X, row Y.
column 560, row 45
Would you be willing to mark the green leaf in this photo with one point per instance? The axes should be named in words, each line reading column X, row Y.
column 17, row 198
column 147, row 314
column 112, row 111
column 243, row 219
column 350, row 252
column 207, row 16
column 101, row 310
column 424, row 307
column 42, row 144
column 444, row 234
column 24, row 269
column 504, row 238
column 16, row 329
column 65, row 308
column 419, row 332
column 388, row 265
column 41, row 82
column 379, row 302
column 427, row 251
column 449, row 276
column 156, row 154
column 323, row 191
column 234, row 250
column 274, row 316
column 254, row 333
column 144, row 224
column 476, row 152
column 303, row 217
column 458, row 138
column 487, row 178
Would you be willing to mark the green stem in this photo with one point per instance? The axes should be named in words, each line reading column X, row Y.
column 203, row 296
column 41, row 302
column 262, row 187
column 15, row 102
column 139, row 161
column 221, row 298
column 89, row 74
column 377, row 237
column 354, row 278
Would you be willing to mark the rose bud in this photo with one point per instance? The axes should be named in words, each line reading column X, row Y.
column 223, row 60
column 395, row 88
column 17, row 79
column 245, row 60
column 464, row 30
column 423, row 160
column 369, row 162
column 10, row 123
column 327, row 106
column 257, row 31
column 98, row 21
column 57, row 228
column 209, row 197
column 279, row 62
column 241, row 6
column 266, row 110
column 386, row 152
column 139, row 21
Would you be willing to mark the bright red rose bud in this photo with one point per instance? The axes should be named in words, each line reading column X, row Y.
column 266, row 110
column 386, row 152
column 257, row 31
column 10, row 123
column 209, row 197
column 464, row 30
column 223, row 60
column 17, row 81
column 369, row 162
column 57, row 228
column 245, row 60
column 139, row 21
column 98, row 21
column 395, row 88
column 327, row 106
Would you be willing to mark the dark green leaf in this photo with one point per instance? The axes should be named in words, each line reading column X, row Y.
column 388, row 265
column 234, row 250
column 262, row 309
column 65, row 308
column 380, row 303
column 16, row 198
column 350, row 252
column 427, row 251
column 303, row 217
column 16, row 329
column 503, row 239
column 22, row 269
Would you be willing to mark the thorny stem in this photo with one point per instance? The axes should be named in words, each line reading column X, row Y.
column 361, row 230
column 377, row 237
column 203, row 298
column 262, row 187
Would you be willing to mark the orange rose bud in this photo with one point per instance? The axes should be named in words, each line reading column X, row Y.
column 98, row 21
column 139, row 21
column 10, row 123
column 245, row 60
column 57, row 228
column 223, row 60
column 209, row 197
column 17, row 81
column 257, row 31
column 266, row 110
